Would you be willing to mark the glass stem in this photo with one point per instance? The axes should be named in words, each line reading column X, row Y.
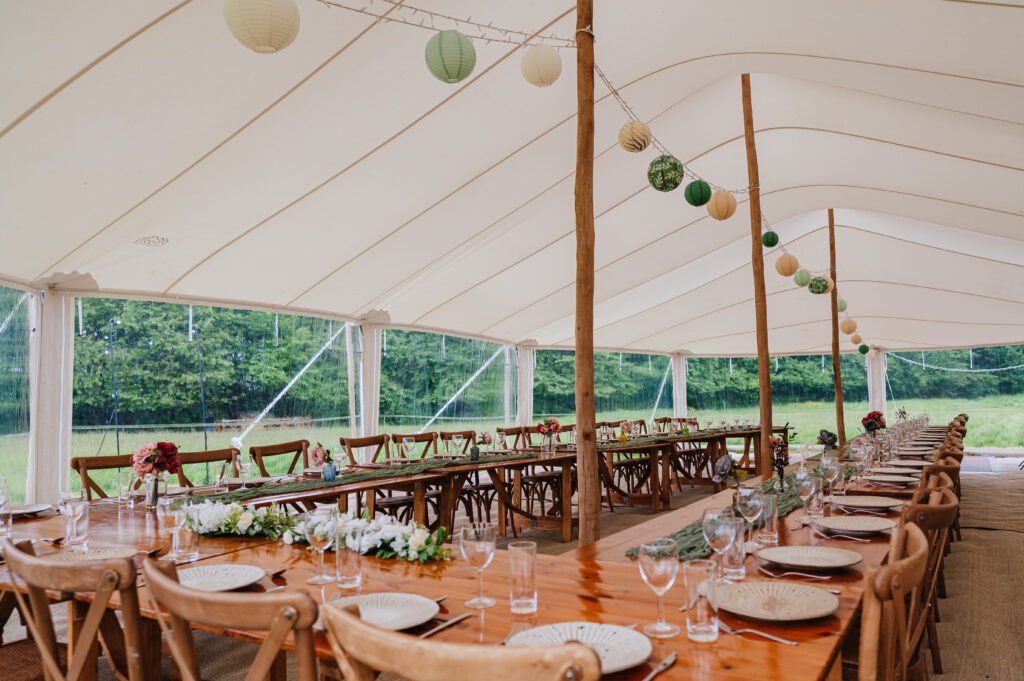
column 480, row 590
column 661, row 610
column 323, row 570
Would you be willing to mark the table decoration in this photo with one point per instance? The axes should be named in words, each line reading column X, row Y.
column 150, row 462
column 391, row 610
column 220, row 577
column 617, row 647
column 549, row 428
column 874, row 421
column 775, row 601
column 321, row 457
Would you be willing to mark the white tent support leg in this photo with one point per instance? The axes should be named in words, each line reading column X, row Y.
column 877, row 367
column 369, row 385
column 679, row 407
column 51, row 374
column 508, row 385
column 350, row 371
column 524, row 384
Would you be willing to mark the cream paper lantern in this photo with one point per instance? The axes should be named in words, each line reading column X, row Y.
column 787, row 265
column 722, row 205
column 848, row 326
column 634, row 137
column 856, row 339
column 831, row 284
column 541, row 65
column 264, row 26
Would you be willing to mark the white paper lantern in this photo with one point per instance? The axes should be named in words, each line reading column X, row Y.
column 541, row 65
column 634, row 137
column 264, row 26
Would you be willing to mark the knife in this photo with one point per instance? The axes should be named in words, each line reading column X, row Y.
column 445, row 625
column 662, row 666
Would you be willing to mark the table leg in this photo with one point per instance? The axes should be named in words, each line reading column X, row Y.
column 665, row 455
column 498, row 480
column 655, row 483
column 566, row 501
column 76, row 618
column 419, row 504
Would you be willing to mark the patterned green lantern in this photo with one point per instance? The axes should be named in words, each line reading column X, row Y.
column 818, row 285
column 665, row 173
column 841, row 305
column 450, row 56
column 802, row 277
column 697, row 193
column 863, row 349
column 770, row 239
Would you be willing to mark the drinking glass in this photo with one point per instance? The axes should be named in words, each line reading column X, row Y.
column 320, row 527
column 499, row 440
column 734, row 559
column 6, row 519
column 476, row 544
column 720, row 529
column 76, row 513
column 768, row 535
column 699, row 582
column 185, row 537
column 407, row 446
column 659, row 564
column 816, row 502
column 126, row 488
column 805, row 485
column 522, row 560
column 244, row 466
column 457, row 443
column 830, row 467
column 750, row 504
column 165, row 507
column 348, row 544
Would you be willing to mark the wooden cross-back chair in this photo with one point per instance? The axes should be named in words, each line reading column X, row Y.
column 362, row 650
column 519, row 436
column 101, row 578
column 84, row 464
column 379, row 444
column 890, row 638
column 427, row 440
column 299, row 449
column 468, row 440
column 478, row 494
column 279, row 614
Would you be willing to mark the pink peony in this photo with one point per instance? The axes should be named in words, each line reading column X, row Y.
column 142, row 459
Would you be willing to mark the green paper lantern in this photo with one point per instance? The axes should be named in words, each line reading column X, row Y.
column 770, row 239
column 802, row 277
column 841, row 305
column 450, row 56
column 818, row 285
column 863, row 349
column 697, row 193
column 665, row 173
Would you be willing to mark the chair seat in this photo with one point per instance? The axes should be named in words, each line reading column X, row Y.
column 21, row 660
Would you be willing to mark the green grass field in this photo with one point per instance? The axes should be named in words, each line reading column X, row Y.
column 995, row 422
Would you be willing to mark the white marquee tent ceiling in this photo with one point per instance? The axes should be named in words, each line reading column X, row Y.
column 338, row 177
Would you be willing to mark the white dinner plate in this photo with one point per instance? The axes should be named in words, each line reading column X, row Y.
column 33, row 509
column 220, row 577
column 888, row 470
column 893, row 479
column 864, row 501
column 854, row 524
column 775, row 601
column 910, row 463
column 91, row 554
column 250, row 482
column 313, row 471
column 810, row 557
column 391, row 609
column 618, row 647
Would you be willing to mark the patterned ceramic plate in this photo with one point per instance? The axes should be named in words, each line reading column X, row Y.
column 23, row 511
column 391, row 610
column 810, row 557
column 854, row 524
column 220, row 577
column 775, row 601
column 91, row 554
column 864, row 501
column 618, row 647
column 249, row 482
column 910, row 463
column 889, row 470
column 894, row 479
column 312, row 471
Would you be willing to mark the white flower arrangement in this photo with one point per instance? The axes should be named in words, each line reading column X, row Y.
column 271, row 521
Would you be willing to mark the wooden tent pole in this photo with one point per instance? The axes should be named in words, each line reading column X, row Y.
column 586, row 443
column 764, row 378
column 836, row 370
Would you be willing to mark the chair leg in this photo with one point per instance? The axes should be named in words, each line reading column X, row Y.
column 933, row 643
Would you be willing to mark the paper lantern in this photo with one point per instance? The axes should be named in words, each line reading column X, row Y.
column 722, row 205
column 665, row 173
column 802, row 278
column 831, row 284
column 450, row 56
column 697, row 193
column 541, row 65
column 848, row 326
column 818, row 285
column 770, row 239
column 264, row 26
column 841, row 305
column 863, row 349
column 634, row 137
column 856, row 339
column 787, row 265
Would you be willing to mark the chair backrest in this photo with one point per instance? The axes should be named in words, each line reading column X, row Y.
column 639, row 427
column 468, row 439
column 84, row 464
column 227, row 458
column 279, row 614
column 362, row 650
column 102, row 578
column 937, row 480
column 892, row 594
column 379, row 443
column 663, row 424
column 520, row 436
column 297, row 448
column 947, row 466
column 427, row 440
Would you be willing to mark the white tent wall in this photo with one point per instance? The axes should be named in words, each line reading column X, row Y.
column 369, row 375
column 51, row 367
column 877, row 368
column 525, row 357
column 679, row 385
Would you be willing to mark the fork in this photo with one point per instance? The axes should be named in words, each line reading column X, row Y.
column 848, row 511
column 772, row 637
column 798, row 574
column 839, row 536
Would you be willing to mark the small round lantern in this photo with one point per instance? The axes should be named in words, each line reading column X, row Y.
column 841, row 305
column 831, row 284
column 264, row 26
column 770, row 239
column 697, row 193
column 818, row 285
column 863, row 349
column 634, row 137
column 802, row 278
column 856, row 339
column 787, row 265
column 848, row 326
column 541, row 65
column 722, row 205
column 665, row 173
column 450, row 56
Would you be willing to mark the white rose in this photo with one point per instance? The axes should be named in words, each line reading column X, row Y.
column 245, row 520
column 418, row 539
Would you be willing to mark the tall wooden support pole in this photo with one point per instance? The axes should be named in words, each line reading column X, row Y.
column 764, row 377
column 836, row 370
column 586, row 443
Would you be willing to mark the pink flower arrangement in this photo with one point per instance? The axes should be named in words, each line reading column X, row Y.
column 550, row 426
column 626, row 426
column 485, row 438
column 159, row 457
column 318, row 456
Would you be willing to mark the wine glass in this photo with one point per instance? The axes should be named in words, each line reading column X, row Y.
column 477, row 544
column 830, row 470
column 457, row 443
column 244, row 466
column 720, row 527
column 750, row 504
column 321, row 528
column 407, row 446
column 805, row 485
column 499, row 440
column 659, row 564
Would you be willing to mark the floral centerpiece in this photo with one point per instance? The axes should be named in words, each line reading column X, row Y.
column 901, row 414
column 150, row 462
column 828, row 439
column 549, row 428
column 874, row 421
column 625, row 428
column 321, row 457
column 778, row 446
